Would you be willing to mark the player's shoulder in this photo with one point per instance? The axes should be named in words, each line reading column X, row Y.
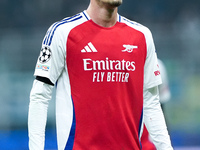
column 69, row 21
column 135, row 25
column 63, row 27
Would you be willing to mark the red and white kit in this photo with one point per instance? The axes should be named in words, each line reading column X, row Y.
column 100, row 75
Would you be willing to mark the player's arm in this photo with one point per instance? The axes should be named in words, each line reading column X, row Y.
column 39, row 98
column 154, row 120
column 153, row 115
column 164, row 90
column 49, row 66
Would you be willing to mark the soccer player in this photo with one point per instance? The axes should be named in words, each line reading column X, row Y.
column 165, row 95
column 104, row 67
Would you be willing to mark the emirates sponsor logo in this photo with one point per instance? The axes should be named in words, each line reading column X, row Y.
column 109, row 70
column 108, row 64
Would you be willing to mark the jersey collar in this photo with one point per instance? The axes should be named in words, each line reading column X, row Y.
column 88, row 17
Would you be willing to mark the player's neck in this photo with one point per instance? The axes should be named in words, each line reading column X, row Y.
column 103, row 16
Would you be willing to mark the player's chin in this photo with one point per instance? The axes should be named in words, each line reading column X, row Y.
column 117, row 3
column 113, row 3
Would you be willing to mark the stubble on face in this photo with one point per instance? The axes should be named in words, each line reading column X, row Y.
column 114, row 3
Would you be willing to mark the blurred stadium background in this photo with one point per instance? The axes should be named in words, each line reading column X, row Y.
column 175, row 25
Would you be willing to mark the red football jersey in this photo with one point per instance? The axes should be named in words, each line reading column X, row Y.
column 100, row 75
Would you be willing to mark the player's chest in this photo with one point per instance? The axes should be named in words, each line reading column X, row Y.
column 98, row 43
column 105, row 54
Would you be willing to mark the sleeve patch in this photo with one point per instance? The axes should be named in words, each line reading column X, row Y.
column 45, row 54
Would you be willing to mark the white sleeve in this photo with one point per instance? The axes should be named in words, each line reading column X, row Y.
column 52, row 58
column 164, row 90
column 39, row 99
column 154, row 120
column 151, row 70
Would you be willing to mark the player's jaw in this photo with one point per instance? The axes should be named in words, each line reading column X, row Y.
column 114, row 3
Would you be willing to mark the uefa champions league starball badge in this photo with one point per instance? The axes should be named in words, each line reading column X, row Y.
column 45, row 54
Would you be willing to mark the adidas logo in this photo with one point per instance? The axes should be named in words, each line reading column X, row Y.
column 89, row 48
